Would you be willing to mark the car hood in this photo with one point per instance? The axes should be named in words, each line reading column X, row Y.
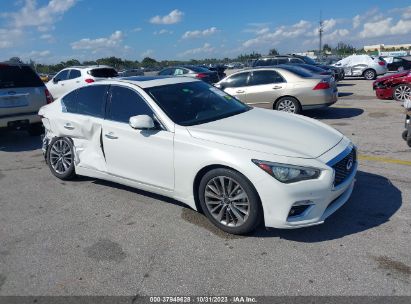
column 271, row 132
column 392, row 76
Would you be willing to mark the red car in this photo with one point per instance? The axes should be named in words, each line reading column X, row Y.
column 395, row 86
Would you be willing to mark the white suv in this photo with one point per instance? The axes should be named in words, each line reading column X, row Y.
column 77, row 76
column 365, row 66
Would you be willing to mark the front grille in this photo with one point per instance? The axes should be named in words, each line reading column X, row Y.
column 343, row 168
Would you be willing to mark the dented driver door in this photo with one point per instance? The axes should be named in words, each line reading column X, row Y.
column 143, row 156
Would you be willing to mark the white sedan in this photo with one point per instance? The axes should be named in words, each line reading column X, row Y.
column 182, row 138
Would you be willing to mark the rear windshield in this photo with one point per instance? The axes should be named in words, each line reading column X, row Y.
column 14, row 76
column 297, row 70
column 103, row 73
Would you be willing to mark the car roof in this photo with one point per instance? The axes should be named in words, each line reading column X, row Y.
column 80, row 67
column 149, row 81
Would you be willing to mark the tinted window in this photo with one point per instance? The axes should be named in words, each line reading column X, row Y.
column 74, row 74
column 196, row 102
column 265, row 62
column 179, row 71
column 282, row 60
column 18, row 77
column 166, row 72
column 103, row 72
column 69, row 102
column 265, row 77
column 298, row 71
column 199, row 69
column 296, row 60
column 238, row 80
column 126, row 103
column 308, row 60
column 91, row 100
column 62, row 75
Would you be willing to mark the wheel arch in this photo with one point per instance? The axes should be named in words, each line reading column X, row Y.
column 278, row 99
column 208, row 168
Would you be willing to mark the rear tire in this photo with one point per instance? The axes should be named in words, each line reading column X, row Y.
column 36, row 129
column 402, row 92
column 370, row 74
column 60, row 158
column 404, row 135
column 229, row 201
column 288, row 104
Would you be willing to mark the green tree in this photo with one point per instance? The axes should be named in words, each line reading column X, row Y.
column 149, row 62
column 273, row 52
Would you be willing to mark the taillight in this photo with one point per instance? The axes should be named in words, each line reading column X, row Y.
column 381, row 63
column 49, row 98
column 201, row 75
column 89, row 80
column 322, row 85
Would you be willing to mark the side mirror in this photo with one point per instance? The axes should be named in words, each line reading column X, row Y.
column 220, row 86
column 141, row 122
column 55, row 80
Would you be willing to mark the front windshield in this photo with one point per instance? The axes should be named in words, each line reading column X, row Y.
column 194, row 103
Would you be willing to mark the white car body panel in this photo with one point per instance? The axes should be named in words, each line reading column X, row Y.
column 167, row 162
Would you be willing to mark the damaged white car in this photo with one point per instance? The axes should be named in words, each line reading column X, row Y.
column 182, row 138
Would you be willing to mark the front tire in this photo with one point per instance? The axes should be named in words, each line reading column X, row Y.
column 288, row 104
column 60, row 158
column 370, row 74
column 230, row 201
column 402, row 92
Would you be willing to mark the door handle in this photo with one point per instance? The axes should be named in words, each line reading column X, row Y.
column 110, row 135
column 277, row 87
column 240, row 91
column 68, row 126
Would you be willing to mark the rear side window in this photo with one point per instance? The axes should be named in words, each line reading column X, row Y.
column 103, row 72
column 69, row 102
column 126, row 103
column 265, row 77
column 74, row 74
column 91, row 100
column 238, row 80
column 14, row 76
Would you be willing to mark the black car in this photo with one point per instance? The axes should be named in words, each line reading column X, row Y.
column 220, row 69
column 399, row 64
column 338, row 72
column 316, row 69
column 191, row 71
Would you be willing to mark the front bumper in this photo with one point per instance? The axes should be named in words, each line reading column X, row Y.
column 321, row 196
column 384, row 93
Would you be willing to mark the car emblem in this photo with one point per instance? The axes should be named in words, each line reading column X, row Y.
column 349, row 164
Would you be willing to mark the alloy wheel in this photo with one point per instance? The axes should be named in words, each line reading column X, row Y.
column 402, row 92
column 61, row 156
column 227, row 201
column 369, row 75
column 287, row 105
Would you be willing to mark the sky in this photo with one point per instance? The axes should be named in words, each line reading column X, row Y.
column 50, row 31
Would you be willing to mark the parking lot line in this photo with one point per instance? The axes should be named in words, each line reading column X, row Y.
column 384, row 160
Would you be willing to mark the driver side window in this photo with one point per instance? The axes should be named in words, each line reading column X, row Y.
column 125, row 103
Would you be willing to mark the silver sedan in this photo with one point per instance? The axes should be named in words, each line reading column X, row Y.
column 284, row 88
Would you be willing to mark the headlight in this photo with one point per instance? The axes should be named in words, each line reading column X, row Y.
column 287, row 173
